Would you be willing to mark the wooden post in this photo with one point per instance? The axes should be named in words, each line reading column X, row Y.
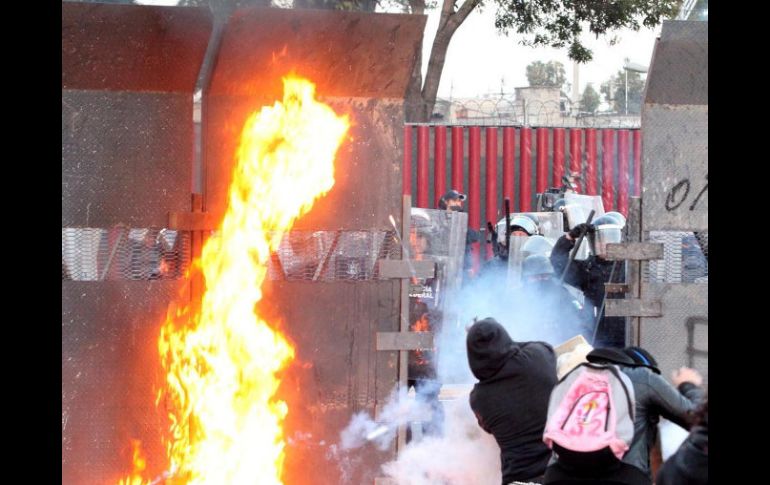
column 634, row 269
column 403, row 355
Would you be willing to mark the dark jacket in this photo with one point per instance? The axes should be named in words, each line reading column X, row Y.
column 690, row 464
column 654, row 397
column 510, row 400
column 589, row 276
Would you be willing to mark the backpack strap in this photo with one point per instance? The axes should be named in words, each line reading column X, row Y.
column 615, row 371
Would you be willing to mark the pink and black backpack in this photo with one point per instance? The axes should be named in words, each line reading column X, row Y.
column 591, row 416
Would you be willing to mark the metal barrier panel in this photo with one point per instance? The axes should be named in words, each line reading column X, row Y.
column 675, row 137
column 128, row 74
column 332, row 318
column 680, row 337
column 675, row 196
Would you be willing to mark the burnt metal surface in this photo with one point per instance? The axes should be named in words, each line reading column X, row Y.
column 360, row 64
column 132, row 47
column 346, row 54
column 128, row 73
column 367, row 169
column 127, row 161
column 110, row 372
column 338, row 372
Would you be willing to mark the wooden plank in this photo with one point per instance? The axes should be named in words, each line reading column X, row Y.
column 634, row 251
column 616, row 287
column 191, row 221
column 399, row 268
column 404, row 341
column 633, row 307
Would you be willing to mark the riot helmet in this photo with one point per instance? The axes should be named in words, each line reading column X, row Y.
column 620, row 219
column 536, row 265
column 526, row 223
column 606, row 231
column 537, row 245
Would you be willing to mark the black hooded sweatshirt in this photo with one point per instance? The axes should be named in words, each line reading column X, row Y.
column 511, row 398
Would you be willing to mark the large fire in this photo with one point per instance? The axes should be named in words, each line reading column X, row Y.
column 221, row 358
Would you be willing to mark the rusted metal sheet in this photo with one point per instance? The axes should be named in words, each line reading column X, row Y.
column 404, row 340
column 361, row 64
column 635, row 251
column 367, row 167
column 132, row 47
column 633, row 307
column 345, row 53
column 338, row 370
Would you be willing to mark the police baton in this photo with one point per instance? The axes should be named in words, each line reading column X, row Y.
column 576, row 248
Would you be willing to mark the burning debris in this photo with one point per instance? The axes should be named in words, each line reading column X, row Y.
column 221, row 358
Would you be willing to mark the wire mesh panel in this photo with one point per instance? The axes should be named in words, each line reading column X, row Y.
column 325, row 256
column 122, row 253
column 684, row 261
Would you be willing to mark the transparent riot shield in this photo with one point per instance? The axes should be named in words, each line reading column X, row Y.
column 438, row 235
column 550, row 225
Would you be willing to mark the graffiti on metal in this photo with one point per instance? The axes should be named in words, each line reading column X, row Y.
column 679, row 193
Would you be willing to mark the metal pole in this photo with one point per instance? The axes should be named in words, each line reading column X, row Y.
column 626, row 91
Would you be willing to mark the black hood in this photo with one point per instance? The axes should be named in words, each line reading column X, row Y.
column 489, row 347
column 609, row 355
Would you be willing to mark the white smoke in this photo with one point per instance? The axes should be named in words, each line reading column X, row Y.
column 491, row 296
column 464, row 455
column 400, row 409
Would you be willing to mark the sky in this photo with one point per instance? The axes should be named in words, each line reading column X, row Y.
column 480, row 60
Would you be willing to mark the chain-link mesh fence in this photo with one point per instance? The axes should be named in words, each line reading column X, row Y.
column 123, row 253
column 332, row 255
column 684, row 261
column 94, row 254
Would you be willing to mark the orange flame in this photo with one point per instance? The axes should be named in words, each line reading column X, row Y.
column 139, row 464
column 221, row 361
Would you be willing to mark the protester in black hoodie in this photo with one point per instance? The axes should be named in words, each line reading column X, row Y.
column 511, row 398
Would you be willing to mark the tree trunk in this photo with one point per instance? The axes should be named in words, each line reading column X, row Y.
column 420, row 102
column 414, row 105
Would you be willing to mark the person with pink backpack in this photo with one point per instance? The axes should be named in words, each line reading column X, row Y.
column 603, row 415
